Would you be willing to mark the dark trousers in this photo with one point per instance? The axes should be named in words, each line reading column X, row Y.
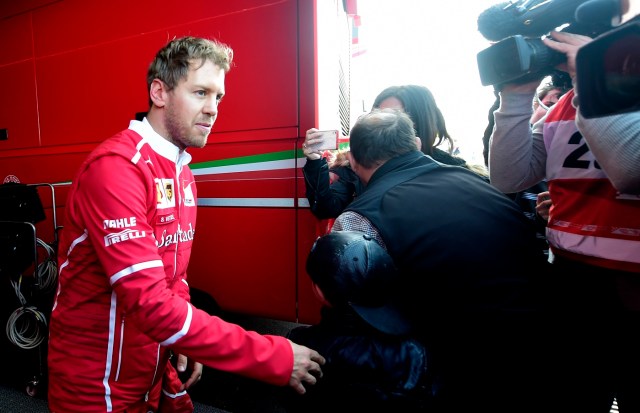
column 597, row 335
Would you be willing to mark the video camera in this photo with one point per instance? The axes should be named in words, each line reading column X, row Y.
column 519, row 55
column 608, row 72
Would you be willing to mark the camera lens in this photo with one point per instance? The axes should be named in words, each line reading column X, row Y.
column 542, row 57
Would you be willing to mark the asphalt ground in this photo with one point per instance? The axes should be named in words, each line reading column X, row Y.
column 217, row 392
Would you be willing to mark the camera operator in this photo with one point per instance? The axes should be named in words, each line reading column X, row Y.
column 593, row 232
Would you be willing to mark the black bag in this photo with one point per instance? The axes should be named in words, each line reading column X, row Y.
column 20, row 208
column 20, row 202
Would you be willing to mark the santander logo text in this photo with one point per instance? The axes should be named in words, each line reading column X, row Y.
column 178, row 236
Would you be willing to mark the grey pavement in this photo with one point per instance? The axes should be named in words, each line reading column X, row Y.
column 13, row 400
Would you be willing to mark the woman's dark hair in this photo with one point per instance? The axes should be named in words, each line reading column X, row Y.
column 418, row 102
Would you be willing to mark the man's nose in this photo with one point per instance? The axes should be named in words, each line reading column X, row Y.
column 211, row 107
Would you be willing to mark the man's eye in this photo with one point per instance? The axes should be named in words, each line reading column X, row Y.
column 201, row 93
column 219, row 98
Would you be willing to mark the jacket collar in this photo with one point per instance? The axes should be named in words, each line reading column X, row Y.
column 407, row 160
column 159, row 144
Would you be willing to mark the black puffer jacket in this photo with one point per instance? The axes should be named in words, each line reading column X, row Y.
column 328, row 200
column 367, row 369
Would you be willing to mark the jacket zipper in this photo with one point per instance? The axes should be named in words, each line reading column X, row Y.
column 120, row 348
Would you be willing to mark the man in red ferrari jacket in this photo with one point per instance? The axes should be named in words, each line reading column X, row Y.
column 122, row 304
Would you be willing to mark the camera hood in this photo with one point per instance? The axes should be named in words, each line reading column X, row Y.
column 608, row 72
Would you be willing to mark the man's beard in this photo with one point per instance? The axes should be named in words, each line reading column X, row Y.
column 181, row 136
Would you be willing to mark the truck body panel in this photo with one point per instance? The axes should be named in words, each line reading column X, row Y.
column 74, row 73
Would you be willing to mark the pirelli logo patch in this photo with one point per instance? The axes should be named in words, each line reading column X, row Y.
column 128, row 232
column 126, row 235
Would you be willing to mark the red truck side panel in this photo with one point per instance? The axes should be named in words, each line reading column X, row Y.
column 74, row 73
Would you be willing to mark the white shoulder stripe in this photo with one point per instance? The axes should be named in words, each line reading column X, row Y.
column 185, row 327
column 138, row 155
column 76, row 241
column 135, row 268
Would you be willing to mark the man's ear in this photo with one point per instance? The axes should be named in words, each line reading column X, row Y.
column 320, row 295
column 352, row 163
column 158, row 92
column 419, row 143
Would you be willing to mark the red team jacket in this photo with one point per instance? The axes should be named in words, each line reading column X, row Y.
column 123, row 298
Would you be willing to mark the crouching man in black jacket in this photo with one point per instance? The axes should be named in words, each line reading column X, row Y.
column 373, row 364
column 459, row 245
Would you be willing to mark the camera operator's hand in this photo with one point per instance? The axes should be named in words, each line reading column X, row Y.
column 567, row 43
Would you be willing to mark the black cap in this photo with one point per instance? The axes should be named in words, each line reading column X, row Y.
column 351, row 267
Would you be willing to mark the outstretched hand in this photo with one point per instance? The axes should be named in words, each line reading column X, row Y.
column 306, row 367
column 196, row 371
